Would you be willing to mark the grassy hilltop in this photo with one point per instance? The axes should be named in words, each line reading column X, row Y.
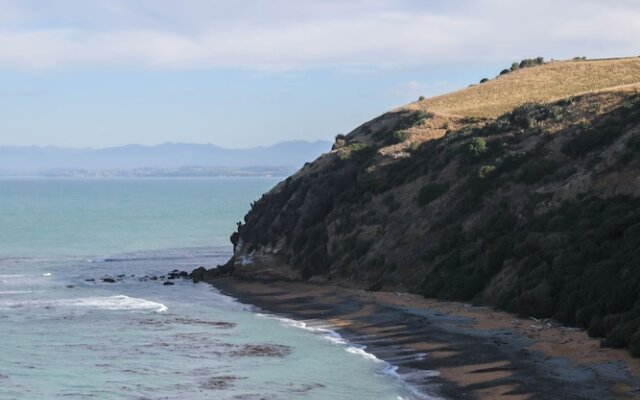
column 522, row 192
column 545, row 83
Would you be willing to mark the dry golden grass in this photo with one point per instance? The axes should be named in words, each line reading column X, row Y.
column 545, row 83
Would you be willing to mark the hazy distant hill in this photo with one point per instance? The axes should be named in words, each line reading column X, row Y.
column 168, row 155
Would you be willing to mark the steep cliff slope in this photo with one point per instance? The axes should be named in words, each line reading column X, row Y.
column 522, row 193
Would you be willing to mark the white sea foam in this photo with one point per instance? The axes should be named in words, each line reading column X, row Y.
column 119, row 302
column 360, row 350
column 114, row 303
column 328, row 334
column 324, row 329
column 14, row 292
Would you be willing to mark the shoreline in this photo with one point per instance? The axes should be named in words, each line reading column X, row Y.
column 477, row 352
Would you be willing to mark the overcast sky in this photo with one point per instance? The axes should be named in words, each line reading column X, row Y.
column 242, row 73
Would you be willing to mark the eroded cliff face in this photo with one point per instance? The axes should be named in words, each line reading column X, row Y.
column 537, row 212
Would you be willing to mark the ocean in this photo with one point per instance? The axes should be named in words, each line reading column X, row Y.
column 65, row 332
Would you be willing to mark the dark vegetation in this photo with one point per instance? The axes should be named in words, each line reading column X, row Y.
column 526, row 63
column 473, row 216
column 430, row 192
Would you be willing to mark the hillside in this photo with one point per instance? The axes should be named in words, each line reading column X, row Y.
column 521, row 193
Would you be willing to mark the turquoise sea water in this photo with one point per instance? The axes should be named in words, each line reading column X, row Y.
column 65, row 333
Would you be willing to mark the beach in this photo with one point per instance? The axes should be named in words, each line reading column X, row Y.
column 453, row 350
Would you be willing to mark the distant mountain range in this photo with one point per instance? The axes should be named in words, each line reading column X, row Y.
column 292, row 154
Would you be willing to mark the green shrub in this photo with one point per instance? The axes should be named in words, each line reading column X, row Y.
column 421, row 98
column 526, row 63
column 355, row 148
column 483, row 80
column 400, row 136
column 477, row 147
column 430, row 192
column 531, row 62
column 529, row 114
column 485, row 171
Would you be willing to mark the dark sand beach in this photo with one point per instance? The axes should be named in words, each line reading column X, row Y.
column 478, row 353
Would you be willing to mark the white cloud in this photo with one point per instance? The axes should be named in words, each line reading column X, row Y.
column 279, row 35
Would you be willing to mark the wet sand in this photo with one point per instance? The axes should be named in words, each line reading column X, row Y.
column 452, row 349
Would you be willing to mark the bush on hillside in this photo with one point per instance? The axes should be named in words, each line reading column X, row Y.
column 526, row 63
column 430, row 192
column 528, row 115
column 477, row 147
column 339, row 142
column 536, row 170
column 531, row 62
column 591, row 139
column 400, row 136
column 485, row 171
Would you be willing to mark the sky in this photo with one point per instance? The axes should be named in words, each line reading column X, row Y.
column 99, row 73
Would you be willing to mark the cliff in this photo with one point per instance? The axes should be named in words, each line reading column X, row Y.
column 522, row 193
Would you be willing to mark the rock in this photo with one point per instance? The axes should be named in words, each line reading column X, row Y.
column 175, row 274
column 168, row 283
column 90, row 280
column 108, row 280
column 261, row 350
column 218, row 383
column 203, row 274
column 198, row 274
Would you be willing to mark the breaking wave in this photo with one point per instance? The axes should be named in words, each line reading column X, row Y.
column 113, row 303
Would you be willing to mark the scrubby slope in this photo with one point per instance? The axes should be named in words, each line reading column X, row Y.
column 536, row 211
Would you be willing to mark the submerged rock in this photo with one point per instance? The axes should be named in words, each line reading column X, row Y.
column 219, row 382
column 261, row 350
